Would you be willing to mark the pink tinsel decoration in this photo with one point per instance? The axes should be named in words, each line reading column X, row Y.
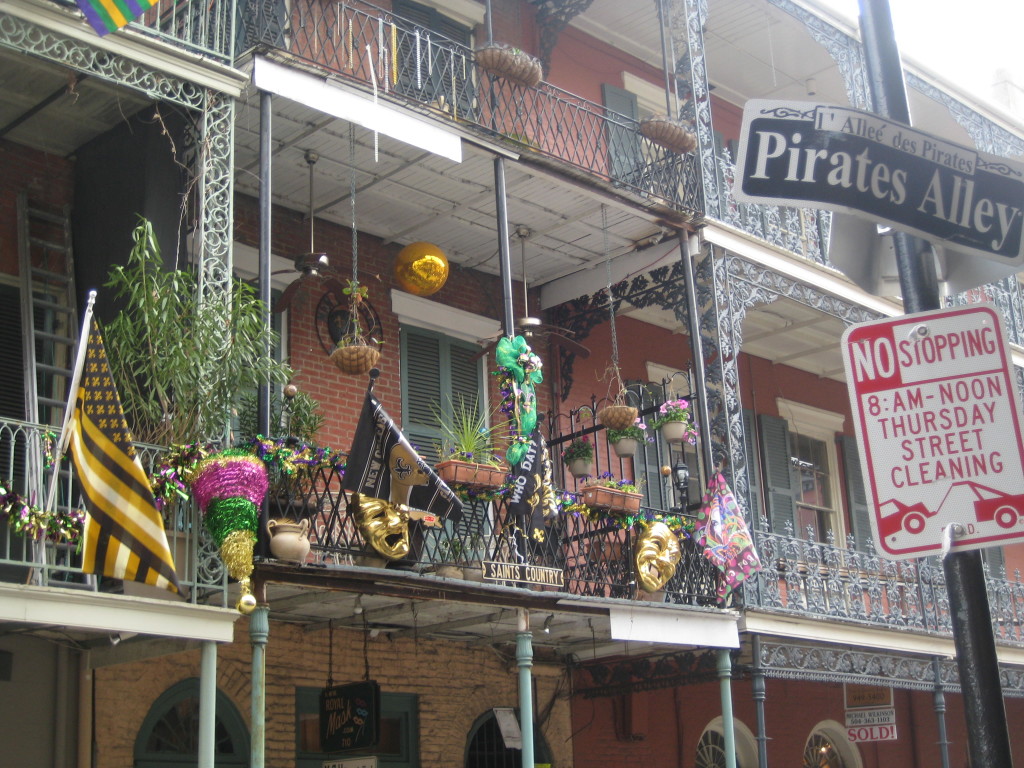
column 229, row 476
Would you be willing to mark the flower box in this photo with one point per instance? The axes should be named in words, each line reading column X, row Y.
column 611, row 499
column 470, row 475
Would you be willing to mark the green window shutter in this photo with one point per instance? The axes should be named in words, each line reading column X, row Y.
column 776, row 453
column 856, row 497
column 436, row 371
column 624, row 156
column 995, row 560
column 753, row 467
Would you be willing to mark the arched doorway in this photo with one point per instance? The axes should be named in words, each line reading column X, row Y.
column 169, row 736
column 485, row 746
column 828, row 747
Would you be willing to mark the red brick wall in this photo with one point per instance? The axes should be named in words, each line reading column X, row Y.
column 341, row 396
column 667, row 725
column 48, row 180
column 455, row 684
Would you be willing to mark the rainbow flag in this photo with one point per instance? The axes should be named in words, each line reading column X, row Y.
column 110, row 15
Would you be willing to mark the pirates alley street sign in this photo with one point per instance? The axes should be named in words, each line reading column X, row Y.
column 847, row 160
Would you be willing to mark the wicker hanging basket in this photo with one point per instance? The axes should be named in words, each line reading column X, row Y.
column 668, row 133
column 510, row 63
column 617, row 416
column 355, row 359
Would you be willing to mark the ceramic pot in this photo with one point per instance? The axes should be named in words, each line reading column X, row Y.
column 625, row 448
column 289, row 540
column 673, row 431
column 580, row 467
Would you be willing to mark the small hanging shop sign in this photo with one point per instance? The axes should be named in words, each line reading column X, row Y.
column 352, row 762
column 349, row 716
column 529, row 574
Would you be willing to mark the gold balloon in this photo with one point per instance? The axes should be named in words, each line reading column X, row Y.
column 656, row 556
column 421, row 269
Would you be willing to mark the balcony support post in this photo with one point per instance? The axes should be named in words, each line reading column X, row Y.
column 501, row 209
column 697, row 354
column 266, row 212
column 524, row 658
column 939, row 699
column 259, row 632
column 207, row 704
column 728, row 726
column 760, row 696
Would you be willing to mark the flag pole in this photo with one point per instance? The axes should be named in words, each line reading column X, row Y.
column 76, row 377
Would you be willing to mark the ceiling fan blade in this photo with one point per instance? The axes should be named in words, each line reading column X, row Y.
column 569, row 345
column 285, row 299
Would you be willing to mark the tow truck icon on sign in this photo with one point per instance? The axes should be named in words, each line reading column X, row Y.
column 990, row 505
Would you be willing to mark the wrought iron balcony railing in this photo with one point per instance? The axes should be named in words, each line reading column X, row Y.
column 400, row 61
column 819, row 579
column 802, row 231
column 55, row 562
column 594, row 558
column 201, row 26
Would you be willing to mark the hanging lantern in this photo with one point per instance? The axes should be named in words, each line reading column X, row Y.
column 421, row 269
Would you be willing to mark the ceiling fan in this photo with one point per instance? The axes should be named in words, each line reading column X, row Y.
column 529, row 327
column 313, row 267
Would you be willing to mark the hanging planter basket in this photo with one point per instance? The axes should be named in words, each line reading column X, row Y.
column 510, row 63
column 625, row 447
column 355, row 359
column 617, row 416
column 668, row 133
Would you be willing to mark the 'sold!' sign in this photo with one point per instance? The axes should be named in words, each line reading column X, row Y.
column 848, row 160
column 939, row 424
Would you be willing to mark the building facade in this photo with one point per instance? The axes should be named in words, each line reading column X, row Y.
column 255, row 134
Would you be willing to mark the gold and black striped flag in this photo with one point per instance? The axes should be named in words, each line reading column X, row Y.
column 124, row 532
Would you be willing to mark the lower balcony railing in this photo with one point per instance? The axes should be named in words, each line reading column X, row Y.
column 33, row 550
column 812, row 578
column 402, row 61
column 594, row 558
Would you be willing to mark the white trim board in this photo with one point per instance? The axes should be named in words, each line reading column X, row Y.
column 331, row 99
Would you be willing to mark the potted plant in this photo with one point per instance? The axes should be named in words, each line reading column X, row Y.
column 467, row 447
column 510, row 63
column 675, row 422
column 354, row 353
column 449, row 559
column 578, row 457
column 608, row 495
column 180, row 359
column 625, row 441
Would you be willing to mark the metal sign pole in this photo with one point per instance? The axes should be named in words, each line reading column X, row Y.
column 987, row 735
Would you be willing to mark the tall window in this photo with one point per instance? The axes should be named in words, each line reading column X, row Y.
column 437, row 372
column 816, row 509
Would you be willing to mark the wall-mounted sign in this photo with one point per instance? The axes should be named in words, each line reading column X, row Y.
column 349, row 716
column 844, row 159
column 530, row 574
column 858, row 695
column 352, row 762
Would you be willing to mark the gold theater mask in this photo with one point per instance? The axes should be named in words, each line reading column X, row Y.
column 383, row 525
column 656, row 555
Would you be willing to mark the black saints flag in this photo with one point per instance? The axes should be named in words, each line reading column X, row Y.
column 382, row 464
column 532, row 501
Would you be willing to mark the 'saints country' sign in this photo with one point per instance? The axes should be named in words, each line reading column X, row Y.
column 939, row 426
column 847, row 160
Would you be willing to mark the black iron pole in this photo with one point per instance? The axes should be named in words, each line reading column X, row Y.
column 987, row 736
column 263, row 275
column 939, row 705
column 501, row 206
